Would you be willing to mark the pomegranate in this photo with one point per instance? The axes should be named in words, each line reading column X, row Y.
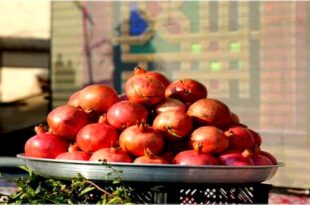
column 174, row 124
column 186, row 90
column 235, row 118
column 111, row 154
column 74, row 99
column 257, row 138
column 210, row 112
column 194, row 157
column 158, row 76
column 258, row 151
column 74, row 154
column 240, row 138
column 66, row 121
column 98, row 98
column 213, row 139
column 236, row 158
column 261, row 160
column 45, row 145
column 167, row 155
column 96, row 135
column 136, row 138
column 144, row 89
column 125, row 113
column 170, row 104
column 150, row 158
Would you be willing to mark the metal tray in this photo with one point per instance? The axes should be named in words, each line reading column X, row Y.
column 65, row 169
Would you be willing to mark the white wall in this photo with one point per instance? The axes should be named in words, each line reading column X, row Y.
column 30, row 18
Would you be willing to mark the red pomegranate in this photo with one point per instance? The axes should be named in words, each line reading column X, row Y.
column 174, row 124
column 158, row 76
column 240, row 138
column 74, row 154
column 111, row 154
column 144, row 89
column 194, row 157
column 98, row 98
column 74, row 99
column 213, row 139
column 257, row 138
column 186, row 90
column 235, row 119
column 66, row 121
column 170, row 104
column 236, row 158
column 261, row 160
column 45, row 145
column 136, row 138
column 125, row 113
column 150, row 158
column 210, row 112
column 95, row 136
column 258, row 151
column 167, row 155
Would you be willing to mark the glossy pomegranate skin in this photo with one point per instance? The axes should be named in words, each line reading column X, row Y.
column 144, row 89
column 136, row 138
column 111, row 154
column 257, row 138
column 174, row 124
column 186, row 90
column 170, row 104
column 74, row 99
column 270, row 156
column 213, row 140
column 240, row 138
column 95, row 136
column 210, row 112
column 125, row 113
column 76, row 155
column 191, row 157
column 98, row 98
column 66, row 121
column 158, row 76
column 45, row 145
column 261, row 160
column 235, row 158
column 148, row 160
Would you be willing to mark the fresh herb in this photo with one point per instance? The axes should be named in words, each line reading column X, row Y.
column 34, row 189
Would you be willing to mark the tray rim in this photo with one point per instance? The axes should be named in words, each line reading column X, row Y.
column 93, row 163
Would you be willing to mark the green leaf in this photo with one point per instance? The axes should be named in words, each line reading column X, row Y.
column 86, row 190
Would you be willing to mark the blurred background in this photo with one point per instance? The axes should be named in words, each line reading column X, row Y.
column 252, row 55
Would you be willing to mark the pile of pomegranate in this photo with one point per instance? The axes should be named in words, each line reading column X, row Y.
column 154, row 122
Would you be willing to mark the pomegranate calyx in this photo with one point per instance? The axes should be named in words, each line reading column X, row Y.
column 39, row 129
column 73, row 148
column 229, row 133
column 139, row 70
column 198, row 147
column 247, row 153
column 103, row 119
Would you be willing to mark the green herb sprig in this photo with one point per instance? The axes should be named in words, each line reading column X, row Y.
column 34, row 189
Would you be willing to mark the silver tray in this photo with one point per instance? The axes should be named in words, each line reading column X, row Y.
column 65, row 169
